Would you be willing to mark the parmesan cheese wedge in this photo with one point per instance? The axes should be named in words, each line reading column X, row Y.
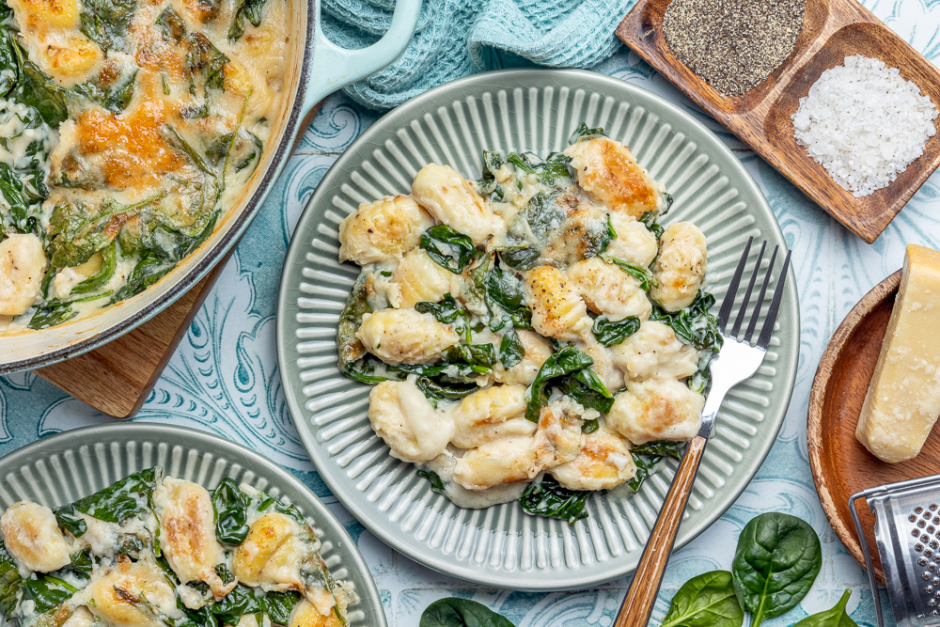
column 903, row 399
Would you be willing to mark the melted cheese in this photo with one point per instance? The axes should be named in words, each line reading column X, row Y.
column 903, row 400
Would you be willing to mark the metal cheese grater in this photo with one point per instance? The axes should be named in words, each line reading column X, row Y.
column 907, row 532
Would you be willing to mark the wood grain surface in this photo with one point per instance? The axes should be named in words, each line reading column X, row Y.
column 832, row 30
column 841, row 465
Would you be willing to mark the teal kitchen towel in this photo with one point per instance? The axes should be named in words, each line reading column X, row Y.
column 455, row 38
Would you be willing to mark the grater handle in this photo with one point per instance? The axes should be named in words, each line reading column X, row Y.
column 867, row 553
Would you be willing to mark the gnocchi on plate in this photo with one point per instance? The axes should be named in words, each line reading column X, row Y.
column 534, row 334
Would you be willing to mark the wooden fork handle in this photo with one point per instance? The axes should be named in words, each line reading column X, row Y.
column 638, row 604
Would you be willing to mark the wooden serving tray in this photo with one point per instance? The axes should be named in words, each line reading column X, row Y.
column 832, row 30
column 841, row 465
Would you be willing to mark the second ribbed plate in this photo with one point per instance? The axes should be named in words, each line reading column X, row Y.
column 520, row 110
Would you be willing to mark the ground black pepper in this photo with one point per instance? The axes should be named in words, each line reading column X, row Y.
column 733, row 44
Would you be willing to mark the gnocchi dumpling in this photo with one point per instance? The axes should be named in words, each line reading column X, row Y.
column 680, row 267
column 557, row 309
column 537, row 350
column 405, row 336
column 490, row 414
column 383, row 230
column 407, row 422
column 603, row 463
column 610, row 174
column 187, row 533
column 634, row 243
column 450, row 199
column 418, row 278
column 656, row 409
column 22, row 268
column 305, row 614
column 33, row 538
column 608, row 290
column 654, row 351
column 135, row 594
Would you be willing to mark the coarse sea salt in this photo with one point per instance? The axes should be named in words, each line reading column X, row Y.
column 864, row 124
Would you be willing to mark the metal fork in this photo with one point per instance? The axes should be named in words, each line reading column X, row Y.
column 737, row 361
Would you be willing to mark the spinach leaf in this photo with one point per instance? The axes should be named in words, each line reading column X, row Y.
column 644, row 276
column 554, row 169
column 236, row 150
column 205, row 61
column 649, row 219
column 480, row 357
column 363, row 371
column 488, row 185
column 35, row 89
column 114, row 98
column 149, row 270
column 279, row 605
column 609, row 333
column 584, row 131
column 776, row 562
column 122, row 500
column 357, row 305
column 434, row 479
column 54, row 312
column 439, row 390
column 279, row 506
column 566, row 361
column 9, row 582
column 511, row 350
column 707, row 600
column 447, row 311
column 647, row 456
column 231, row 512
column 106, row 22
column 455, row 612
column 68, row 518
column 549, row 499
column 696, row 326
column 9, row 67
column 253, row 11
column 587, row 389
column 171, row 25
column 519, row 257
column 108, row 265
column 240, row 601
column 835, row 617
column 449, row 249
column 505, row 289
column 590, row 426
column 47, row 592
column 81, row 565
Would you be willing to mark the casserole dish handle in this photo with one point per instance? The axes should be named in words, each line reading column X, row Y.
column 334, row 67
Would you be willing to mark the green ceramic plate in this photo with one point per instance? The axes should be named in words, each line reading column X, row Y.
column 520, row 110
column 65, row 467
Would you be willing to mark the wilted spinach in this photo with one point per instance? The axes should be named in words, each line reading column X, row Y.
column 643, row 275
column 69, row 519
column 566, row 362
column 114, row 98
column 106, row 22
column 357, row 305
column 649, row 219
column 149, row 270
column 835, row 617
column 46, row 592
column 100, row 278
column 231, row 512
column 455, row 612
column 240, row 601
column 53, row 312
column 511, row 350
column 253, row 11
column 549, row 499
column 695, row 325
column 776, row 562
column 609, row 333
column 279, row 605
column 707, row 600
column 126, row 498
column 434, row 479
column 584, row 131
column 480, row 358
column 449, row 249
column 647, row 456
column 9, row 582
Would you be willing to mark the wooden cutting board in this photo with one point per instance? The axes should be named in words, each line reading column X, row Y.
column 116, row 378
column 832, row 30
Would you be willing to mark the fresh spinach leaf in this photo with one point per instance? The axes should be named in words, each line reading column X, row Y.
column 776, row 562
column 549, row 499
column 9, row 582
column 231, row 512
column 100, row 278
column 584, row 131
column 455, row 612
column 554, row 170
column 643, row 275
column 68, row 518
column 835, row 617
column 253, row 11
column 707, row 600
column 122, row 500
column 434, row 479
column 106, row 22
column 511, row 350
column 449, row 249
column 566, row 361
column 609, row 333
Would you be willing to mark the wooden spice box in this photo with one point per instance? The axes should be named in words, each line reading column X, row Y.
column 832, row 30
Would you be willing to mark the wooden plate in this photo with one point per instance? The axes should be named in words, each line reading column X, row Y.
column 841, row 466
column 832, row 30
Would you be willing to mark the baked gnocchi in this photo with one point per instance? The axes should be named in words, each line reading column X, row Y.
column 151, row 551
column 533, row 333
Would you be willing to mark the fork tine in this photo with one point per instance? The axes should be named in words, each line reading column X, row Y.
column 728, row 302
column 764, row 340
column 747, row 295
column 760, row 301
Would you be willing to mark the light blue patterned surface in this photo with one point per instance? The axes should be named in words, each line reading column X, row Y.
column 223, row 378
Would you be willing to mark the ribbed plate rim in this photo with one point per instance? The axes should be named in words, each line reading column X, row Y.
column 496, row 80
column 370, row 602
